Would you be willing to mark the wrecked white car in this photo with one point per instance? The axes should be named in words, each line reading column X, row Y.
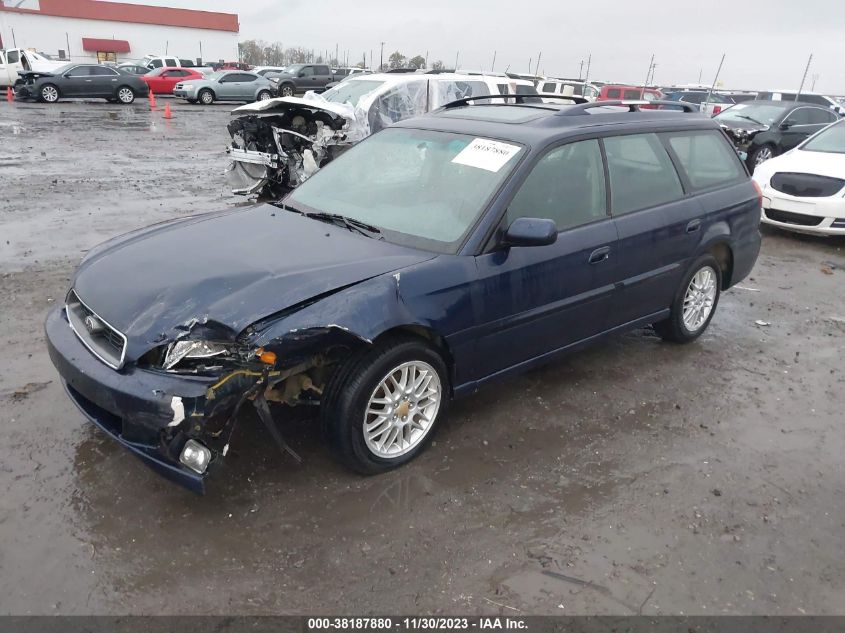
column 278, row 143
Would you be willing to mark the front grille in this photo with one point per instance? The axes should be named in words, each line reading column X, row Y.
column 105, row 342
column 806, row 185
column 793, row 218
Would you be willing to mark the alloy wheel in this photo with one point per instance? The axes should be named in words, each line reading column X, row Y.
column 763, row 154
column 402, row 409
column 49, row 94
column 699, row 299
column 126, row 95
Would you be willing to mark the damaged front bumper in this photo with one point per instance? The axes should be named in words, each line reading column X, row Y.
column 151, row 413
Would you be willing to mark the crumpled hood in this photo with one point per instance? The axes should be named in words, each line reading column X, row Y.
column 229, row 269
column 280, row 105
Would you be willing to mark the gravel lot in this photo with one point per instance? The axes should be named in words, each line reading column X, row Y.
column 633, row 477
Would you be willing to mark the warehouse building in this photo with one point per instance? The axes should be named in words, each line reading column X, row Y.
column 100, row 30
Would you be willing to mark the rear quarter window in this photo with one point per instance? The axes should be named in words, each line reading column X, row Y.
column 706, row 158
column 614, row 93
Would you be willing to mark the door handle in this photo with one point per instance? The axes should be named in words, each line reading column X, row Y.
column 693, row 226
column 599, row 255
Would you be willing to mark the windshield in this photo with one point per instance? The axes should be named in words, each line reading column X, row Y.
column 293, row 69
column 63, row 69
column 422, row 188
column 762, row 114
column 831, row 139
column 156, row 72
column 215, row 75
column 351, row 91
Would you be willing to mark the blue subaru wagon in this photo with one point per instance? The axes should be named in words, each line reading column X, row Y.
column 441, row 254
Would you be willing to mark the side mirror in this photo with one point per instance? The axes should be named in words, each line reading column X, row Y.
column 301, row 73
column 531, row 232
column 784, row 126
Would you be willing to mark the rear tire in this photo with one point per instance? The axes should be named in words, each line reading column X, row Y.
column 125, row 95
column 206, row 97
column 695, row 302
column 264, row 95
column 49, row 93
column 381, row 406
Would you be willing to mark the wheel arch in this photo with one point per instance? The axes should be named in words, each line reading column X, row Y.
column 722, row 252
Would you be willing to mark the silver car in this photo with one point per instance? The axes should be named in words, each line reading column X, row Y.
column 228, row 85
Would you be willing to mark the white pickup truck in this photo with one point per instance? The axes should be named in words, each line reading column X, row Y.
column 13, row 60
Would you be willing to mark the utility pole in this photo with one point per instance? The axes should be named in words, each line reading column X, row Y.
column 581, row 70
column 804, row 78
column 650, row 64
column 457, row 55
column 700, row 72
column 381, row 58
column 493, row 67
column 589, row 61
column 537, row 67
column 426, row 59
column 813, row 86
column 715, row 79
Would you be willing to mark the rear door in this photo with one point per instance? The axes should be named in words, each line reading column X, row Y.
column 102, row 82
column 324, row 76
column 531, row 301
column 658, row 225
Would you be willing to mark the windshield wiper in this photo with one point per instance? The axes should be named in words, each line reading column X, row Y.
column 349, row 223
column 745, row 116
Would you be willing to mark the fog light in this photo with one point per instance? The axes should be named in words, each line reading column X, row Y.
column 195, row 456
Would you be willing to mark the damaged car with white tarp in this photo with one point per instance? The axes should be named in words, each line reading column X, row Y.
column 279, row 143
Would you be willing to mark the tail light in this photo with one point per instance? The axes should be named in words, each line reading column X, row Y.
column 716, row 110
column 759, row 193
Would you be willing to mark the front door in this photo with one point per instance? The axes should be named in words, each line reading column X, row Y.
column 76, row 82
column 531, row 301
column 802, row 123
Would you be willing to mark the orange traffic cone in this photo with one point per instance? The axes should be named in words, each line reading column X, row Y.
column 167, row 113
column 152, row 100
column 10, row 96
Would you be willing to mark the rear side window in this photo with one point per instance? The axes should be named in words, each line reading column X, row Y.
column 614, row 93
column 566, row 186
column 706, row 158
column 549, row 87
column 633, row 94
column 13, row 57
column 641, row 173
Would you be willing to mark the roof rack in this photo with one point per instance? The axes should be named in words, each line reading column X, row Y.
column 633, row 106
column 519, row 99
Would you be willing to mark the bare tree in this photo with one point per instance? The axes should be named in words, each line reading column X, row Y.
column 438, row 65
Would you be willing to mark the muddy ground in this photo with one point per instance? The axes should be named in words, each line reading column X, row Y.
column 633, row 477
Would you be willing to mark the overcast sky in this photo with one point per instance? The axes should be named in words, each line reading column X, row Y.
column 766, row 43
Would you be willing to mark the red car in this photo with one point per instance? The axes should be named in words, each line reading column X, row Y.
column 613, row 92
column 162, row 80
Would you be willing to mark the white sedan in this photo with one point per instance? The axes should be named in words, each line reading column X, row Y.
column 804, row 189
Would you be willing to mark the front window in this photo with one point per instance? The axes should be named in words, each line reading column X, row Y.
column 156, row 72
column 422, row 188
column 830, row 140
column 745, row 113
column 351, row 91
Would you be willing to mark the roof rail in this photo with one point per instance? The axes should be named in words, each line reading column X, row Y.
column 633, row 106
column 519, row 99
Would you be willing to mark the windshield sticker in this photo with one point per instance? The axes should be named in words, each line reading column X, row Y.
column 486, row 154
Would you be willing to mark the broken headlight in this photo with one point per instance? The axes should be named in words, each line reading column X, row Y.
column 181, row 350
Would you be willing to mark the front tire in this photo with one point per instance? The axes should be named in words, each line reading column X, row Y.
column 206, row 97
column 695, row 302
column 49, row 93
column 125, row 95
column 381, row 406
column 264, row 95
column 286, row 90
column 760, row 156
